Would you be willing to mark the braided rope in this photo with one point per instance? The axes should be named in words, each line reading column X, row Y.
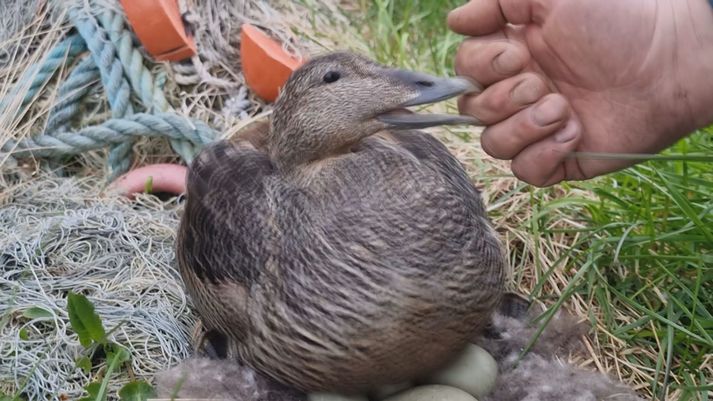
column 138, row 75
column 120, row 70
column 104, row 54
column 113, row 131
column 71, row 93
column 140, row 78
column 37, row 76
column 116, row 86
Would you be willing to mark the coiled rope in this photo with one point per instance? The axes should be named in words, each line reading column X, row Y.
column 113, row 131
column 116, row 62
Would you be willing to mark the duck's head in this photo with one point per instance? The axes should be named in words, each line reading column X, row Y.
column 335, row 100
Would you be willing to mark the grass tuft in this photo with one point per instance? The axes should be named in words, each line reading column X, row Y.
column 648, row 235
column 412, row 34
column 631, row 252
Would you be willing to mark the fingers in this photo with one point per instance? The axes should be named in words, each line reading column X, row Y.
column 490, row 59
column 546, row 162
column 507, row 138
column 534, row 129
column 505, row 98
column 482, row 17
column 528, row 125
column 477, row 17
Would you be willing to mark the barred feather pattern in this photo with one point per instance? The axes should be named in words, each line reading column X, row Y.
column 366, row 268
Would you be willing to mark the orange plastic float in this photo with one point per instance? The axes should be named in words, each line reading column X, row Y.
column 159, row 27
column 265, row 64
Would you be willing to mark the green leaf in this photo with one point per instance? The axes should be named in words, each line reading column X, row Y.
column 148, row 185
column 37, row 313
column 85, row 322
column 24, row 335
column 93, row 389
column 137, row 390
column 116, row 351
column 85, row 364
column 115, row 357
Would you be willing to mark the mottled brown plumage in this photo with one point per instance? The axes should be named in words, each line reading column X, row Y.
column 341, row 250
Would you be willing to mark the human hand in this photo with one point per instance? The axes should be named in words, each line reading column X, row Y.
column 573, row 76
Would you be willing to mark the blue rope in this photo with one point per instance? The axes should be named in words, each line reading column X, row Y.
column 104, row 54
column 131, row 59
column 140, row 78
column 115, row 61
column 112, row 75
column 113, row 131
column 34, row 79
column 70, row 95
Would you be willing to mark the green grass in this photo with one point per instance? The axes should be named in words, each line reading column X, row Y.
column 646, row 249
column 635, row 248
column 412, row 34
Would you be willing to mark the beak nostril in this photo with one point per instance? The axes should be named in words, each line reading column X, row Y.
column 427, row 84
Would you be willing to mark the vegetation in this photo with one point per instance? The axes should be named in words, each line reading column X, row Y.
column 100, row 353
column 631, row 252
column 93, row 337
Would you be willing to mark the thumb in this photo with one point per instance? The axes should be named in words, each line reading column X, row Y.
column 483, row 17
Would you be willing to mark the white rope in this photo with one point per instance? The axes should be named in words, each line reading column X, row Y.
column 58, row 235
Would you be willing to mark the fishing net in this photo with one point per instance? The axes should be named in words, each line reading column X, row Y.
column 64, row 234
column 61, row 234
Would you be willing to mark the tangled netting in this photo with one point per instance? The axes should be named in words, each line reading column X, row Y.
column 60, row 234
column 14, row 15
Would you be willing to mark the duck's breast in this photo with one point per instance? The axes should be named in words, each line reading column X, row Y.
column 387, row 261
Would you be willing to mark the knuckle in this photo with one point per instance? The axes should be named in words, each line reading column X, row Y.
column 529, row 89
column 493, row 102
column 497, row 146
column 528, row 173
column 556, row 100
column 464, row 56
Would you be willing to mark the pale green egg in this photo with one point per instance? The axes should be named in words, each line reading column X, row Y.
column 335, row 397
column 389, row 390
column 433, row 392
column 474, row 371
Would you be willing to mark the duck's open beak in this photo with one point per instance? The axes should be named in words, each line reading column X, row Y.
column 429, row 89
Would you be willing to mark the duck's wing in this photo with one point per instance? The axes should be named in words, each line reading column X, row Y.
column 220, row 237
column 433, row 153
column 403, row 202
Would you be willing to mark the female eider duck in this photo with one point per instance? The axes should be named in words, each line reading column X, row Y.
column 341, row 250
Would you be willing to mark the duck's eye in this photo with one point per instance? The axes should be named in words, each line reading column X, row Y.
column 331, row 76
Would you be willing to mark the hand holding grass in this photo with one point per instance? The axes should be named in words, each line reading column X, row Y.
column 582, row 76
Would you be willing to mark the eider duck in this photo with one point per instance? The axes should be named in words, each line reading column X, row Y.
column 341, row 249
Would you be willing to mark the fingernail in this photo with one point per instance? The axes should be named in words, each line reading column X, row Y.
column 452, row 15
column 546, row 113
column 568, row 133
column 525, row 92
column 457, row 10
column 508, row 62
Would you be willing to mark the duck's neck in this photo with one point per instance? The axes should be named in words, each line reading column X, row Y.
column 289, row 152
column 293, row 149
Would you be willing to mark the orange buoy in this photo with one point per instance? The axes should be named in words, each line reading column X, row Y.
column 159, row 27
column 266, row 65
